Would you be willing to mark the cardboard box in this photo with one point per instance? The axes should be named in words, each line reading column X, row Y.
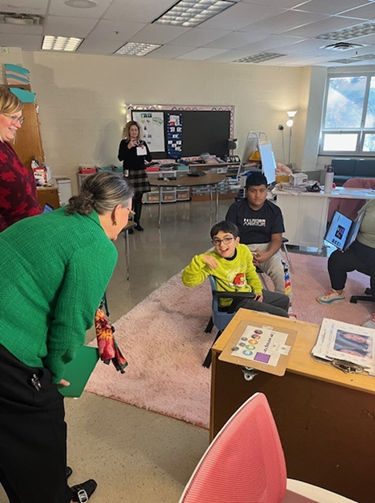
column 298, row 178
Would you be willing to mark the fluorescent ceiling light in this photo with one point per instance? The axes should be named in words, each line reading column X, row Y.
column 137, row 49
column 81, row 4
column 191, row 13
column 359, row 30
column 68, row 44
column 259, row 58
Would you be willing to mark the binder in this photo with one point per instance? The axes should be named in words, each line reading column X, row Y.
column 78, row 371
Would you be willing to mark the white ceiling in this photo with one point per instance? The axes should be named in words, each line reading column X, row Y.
column 249, row 27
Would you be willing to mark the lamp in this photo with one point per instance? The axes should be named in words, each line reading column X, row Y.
column 289, row 123
column 232, row 145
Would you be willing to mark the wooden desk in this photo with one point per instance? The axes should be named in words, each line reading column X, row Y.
column 48, row 195
column 305, row 213
column 189, row 181
column 325, row 418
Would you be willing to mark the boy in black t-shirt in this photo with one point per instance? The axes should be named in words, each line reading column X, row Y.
column 261, row 225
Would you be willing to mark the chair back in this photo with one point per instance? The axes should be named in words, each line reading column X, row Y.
column 219, row 318
column 244, row 463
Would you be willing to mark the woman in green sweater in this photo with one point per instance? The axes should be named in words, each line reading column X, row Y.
column 54, row 268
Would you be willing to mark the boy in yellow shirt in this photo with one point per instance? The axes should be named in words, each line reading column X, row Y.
column 231, row 263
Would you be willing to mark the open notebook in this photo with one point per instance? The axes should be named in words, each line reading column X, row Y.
column 342, row 231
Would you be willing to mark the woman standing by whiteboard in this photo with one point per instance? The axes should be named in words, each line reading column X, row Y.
column 133, row 152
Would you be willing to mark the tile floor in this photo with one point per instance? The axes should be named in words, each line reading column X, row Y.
column 138, row 456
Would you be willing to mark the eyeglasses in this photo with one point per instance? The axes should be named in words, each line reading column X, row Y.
column 15, row 119
column 217, row 242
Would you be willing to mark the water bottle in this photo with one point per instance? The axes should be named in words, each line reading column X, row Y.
column 328, row 181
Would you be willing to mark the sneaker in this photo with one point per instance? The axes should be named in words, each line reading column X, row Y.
column 82, row 492
column 330, row 297
column 370, row 323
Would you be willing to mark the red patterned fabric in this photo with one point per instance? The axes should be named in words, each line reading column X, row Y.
column 18, row 193
column 108, row 348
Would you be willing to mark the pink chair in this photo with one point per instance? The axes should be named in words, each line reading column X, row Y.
column 245, row 464
column 350, row 207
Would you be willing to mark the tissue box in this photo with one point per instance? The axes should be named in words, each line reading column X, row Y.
column 298, row 178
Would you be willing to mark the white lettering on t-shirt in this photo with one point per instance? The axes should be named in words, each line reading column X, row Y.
column 255, row 222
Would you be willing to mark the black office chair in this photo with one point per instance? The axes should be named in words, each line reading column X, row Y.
column 369, row 297
column 369, row 294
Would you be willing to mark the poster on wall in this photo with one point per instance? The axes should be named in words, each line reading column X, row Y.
column 174, row 136
column 152, row 125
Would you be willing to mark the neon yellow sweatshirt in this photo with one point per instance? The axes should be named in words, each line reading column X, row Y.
column 232, row 275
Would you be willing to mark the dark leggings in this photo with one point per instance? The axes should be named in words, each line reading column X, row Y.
column 357, row 258
column 273, row 303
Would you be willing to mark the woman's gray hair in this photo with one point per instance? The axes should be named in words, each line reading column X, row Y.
column 101, row 192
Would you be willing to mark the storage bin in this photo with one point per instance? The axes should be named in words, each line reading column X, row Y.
column 183, row 194
column 168, row 195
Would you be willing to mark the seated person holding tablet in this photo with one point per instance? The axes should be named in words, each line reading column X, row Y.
column 359, row 256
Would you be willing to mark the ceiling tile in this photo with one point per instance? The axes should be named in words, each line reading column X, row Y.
column 324, row 26
column 201, row 54
column 58, row 8
column 158, row 34
column 366, row 12
column 240, row 15
column 38, row 7
column 140, row 11
column 115, row 30
column 196, row 37
column 331, row 6
column 28, row 42
column 99, row 46
column 169, row 52
column 285, row 21
column 236, row 39
column 69, row 26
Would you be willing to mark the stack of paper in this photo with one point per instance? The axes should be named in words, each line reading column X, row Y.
column 342, row 341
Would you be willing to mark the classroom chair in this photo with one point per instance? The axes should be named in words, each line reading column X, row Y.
column 245, row 464
column 220, row 319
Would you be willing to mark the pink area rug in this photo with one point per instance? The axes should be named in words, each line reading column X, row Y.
column 164, row 341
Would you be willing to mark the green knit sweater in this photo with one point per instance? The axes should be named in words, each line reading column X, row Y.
column 54, row 270
column 234, row 275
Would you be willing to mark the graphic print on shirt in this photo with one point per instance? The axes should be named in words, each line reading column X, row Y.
column 237, row 278
column 255, row 222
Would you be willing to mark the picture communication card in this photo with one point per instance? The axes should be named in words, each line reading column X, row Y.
column 261, row 347
column 342, row 231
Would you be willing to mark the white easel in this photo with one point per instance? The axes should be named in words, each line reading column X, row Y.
column 257, row 140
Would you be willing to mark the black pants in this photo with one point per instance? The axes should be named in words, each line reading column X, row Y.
column 32, row 435
column 357, row 258
column 273, row 303
column 137, row 207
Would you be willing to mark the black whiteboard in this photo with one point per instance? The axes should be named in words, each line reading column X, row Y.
column 203, row 131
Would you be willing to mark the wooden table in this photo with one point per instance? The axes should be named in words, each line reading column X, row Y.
column 325, row 418
column 190, row 181
column 305, row 213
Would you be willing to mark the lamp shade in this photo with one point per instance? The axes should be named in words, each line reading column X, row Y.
column 291, row 113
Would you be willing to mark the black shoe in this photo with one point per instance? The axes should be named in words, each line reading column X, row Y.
column 131, row 231
column 139, row 227
column 82, row 492
column 69, row 471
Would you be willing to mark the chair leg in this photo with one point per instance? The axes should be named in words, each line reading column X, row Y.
column 210, row 326
column 288, row 257
column 208, row 359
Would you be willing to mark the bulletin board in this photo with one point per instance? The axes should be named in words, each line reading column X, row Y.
column 204, row 129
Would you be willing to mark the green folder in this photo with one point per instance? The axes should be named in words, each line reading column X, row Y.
column 78, row 371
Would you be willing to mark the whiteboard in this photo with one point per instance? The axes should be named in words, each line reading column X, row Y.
column 152, row 126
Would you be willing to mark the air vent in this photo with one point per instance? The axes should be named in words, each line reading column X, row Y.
column 342, row 46
column 21, row 19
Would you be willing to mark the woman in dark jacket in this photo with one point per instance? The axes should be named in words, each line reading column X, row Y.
column 133, row 152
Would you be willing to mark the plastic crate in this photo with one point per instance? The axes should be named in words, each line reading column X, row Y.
column 183, row 194
column 151, row 197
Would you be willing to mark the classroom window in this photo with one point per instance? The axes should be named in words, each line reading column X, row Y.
column 349, row 117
